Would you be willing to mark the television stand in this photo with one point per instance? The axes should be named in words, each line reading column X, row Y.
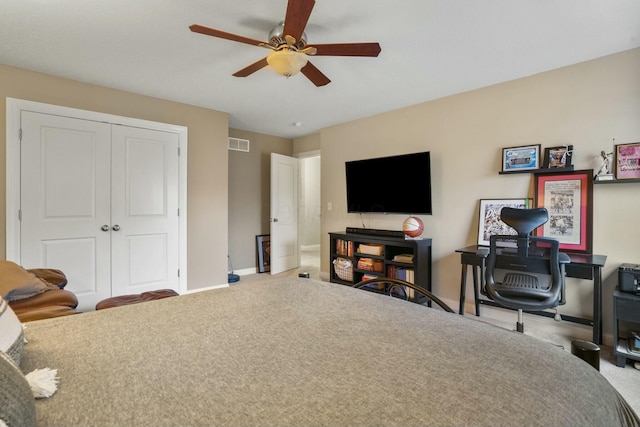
column 397, row 257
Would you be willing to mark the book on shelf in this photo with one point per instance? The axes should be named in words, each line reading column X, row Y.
column 378, row 285
column 408, row 258
column 344, row 247
column 402, row 273
column 370, row 264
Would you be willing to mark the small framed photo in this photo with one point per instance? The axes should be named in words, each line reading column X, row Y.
column 490, row 224
column 627, row 160
column 568, row 197
column 263, row 243
column 523, row 158
column 557, row 157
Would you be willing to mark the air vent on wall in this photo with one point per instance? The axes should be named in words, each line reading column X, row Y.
column 238, row 144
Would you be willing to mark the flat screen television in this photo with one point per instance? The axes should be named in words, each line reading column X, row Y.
column 390, row 185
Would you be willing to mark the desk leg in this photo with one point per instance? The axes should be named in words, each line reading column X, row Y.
column 463, row 287
column 597, row 305
column 476, row 290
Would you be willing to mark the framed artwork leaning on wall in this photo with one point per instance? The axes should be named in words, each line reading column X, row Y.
column 263, row 246
column 627, row 161
column 557, row 157
column 489, row 222
column 568, row 196
column 523, row 158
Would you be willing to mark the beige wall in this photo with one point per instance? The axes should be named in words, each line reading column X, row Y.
column 249, row 194
column 586, row 105
column 307, row 143
column 207, row 157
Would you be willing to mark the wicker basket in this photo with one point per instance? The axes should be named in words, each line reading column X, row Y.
column 343, row 268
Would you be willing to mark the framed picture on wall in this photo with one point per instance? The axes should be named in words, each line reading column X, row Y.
column 263, row 245
column 627, row 161
column 489, row 222
column 523, row 158
column 557, row 157
column 568, row 196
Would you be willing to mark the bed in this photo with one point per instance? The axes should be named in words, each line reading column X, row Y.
column 301, row 352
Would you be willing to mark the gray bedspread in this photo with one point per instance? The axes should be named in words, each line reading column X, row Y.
column 307, row 353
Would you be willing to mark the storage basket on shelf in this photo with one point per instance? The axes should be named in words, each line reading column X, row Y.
column 343, row 268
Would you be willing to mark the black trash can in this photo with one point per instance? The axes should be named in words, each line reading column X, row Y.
column 587, row 351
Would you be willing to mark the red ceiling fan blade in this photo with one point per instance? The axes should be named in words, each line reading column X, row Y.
column 348, row 49
column 298, row 13
column 315, row 75
column 247, row 71
column 223, row 35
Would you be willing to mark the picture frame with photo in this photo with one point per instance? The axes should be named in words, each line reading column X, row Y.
column 557, row 157
column 489, row 222
column 522, row 158
column 263, row 245
column 568, row 197
column 627, row 161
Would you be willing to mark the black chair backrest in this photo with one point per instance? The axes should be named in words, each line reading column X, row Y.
column 532, row 255
column 524, row 221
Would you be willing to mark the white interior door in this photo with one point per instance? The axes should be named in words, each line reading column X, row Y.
column 284, row 213
column 144, row 215
column 65, row 201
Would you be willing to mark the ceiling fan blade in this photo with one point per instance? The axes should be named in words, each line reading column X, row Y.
column 315, row 75
column 298, row 13
column 247, row 71
column 223, row 35
column 348, row 49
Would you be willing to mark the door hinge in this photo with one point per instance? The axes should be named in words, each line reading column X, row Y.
column 178, row 151
column 19, row 214
column 178, row 272
column 20, row 134
column 178, row 211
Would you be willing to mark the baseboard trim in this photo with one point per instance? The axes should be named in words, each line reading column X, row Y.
column 246, row 271
column 207, row 288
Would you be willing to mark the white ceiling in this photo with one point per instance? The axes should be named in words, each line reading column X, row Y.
column 430, row 49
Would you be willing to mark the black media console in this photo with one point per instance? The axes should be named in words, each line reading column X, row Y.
column 375, row 255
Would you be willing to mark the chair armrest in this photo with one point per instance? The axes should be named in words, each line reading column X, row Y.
column 483, row 252
column 563, row 258
column 51, row 276
column 48, row 298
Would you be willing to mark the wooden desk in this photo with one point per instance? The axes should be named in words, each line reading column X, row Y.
column 582, row 266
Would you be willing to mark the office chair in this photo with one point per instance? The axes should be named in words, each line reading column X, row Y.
column 529, row 276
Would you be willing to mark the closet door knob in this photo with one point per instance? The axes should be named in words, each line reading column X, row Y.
column 104, row 228
column 116, row 227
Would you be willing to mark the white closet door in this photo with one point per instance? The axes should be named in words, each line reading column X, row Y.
column 65, row 201
column 144, row 215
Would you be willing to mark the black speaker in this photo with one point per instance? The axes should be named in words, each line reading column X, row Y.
column 629, row 278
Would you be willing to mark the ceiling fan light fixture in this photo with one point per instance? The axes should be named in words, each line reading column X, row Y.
column 286, row 62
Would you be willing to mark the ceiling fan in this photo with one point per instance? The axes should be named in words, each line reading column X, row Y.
column 288, row 43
